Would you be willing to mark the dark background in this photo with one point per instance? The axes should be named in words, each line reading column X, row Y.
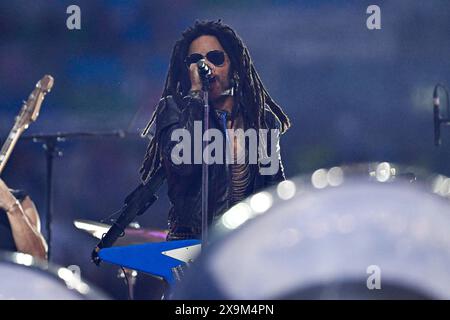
column 353, row 94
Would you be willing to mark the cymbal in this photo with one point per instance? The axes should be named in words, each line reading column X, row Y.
column 132, row 235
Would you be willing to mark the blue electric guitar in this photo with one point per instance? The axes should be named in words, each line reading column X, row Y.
column 161, row 259
column 164, row 259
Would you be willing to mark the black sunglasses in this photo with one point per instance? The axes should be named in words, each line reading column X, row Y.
column 216, row 57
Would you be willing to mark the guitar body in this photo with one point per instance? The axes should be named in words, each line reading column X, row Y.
column 162, row 259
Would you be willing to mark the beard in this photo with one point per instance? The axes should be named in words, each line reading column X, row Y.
column 217, row 87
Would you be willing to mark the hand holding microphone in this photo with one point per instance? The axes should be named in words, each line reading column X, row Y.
column 199, row 72
column 204, row 70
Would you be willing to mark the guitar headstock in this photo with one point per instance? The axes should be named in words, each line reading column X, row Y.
column 30, row 109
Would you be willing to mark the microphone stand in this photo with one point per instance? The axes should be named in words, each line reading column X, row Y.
column 437, row 119
column 49, row 143
column 205, row 167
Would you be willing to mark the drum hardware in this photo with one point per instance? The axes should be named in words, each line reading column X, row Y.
column 132, row 235
column 130, row 277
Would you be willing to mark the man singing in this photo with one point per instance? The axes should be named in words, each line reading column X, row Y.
column 238, row 100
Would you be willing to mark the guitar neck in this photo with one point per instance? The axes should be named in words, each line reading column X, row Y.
column 8, row 145
column 28, row 113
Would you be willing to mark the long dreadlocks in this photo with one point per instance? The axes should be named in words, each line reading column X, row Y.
column 250, row 91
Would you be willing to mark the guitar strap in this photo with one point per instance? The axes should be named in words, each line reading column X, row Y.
column 136, row 203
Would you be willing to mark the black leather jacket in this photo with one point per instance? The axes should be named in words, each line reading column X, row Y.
column 184, row 180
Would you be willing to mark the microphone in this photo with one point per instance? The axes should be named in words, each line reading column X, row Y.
column 204, row 70
column 436, row 117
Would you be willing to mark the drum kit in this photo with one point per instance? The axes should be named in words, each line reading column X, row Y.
column 339, row 214
column 41, row 280
column 369, row 231
column 46, row 281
